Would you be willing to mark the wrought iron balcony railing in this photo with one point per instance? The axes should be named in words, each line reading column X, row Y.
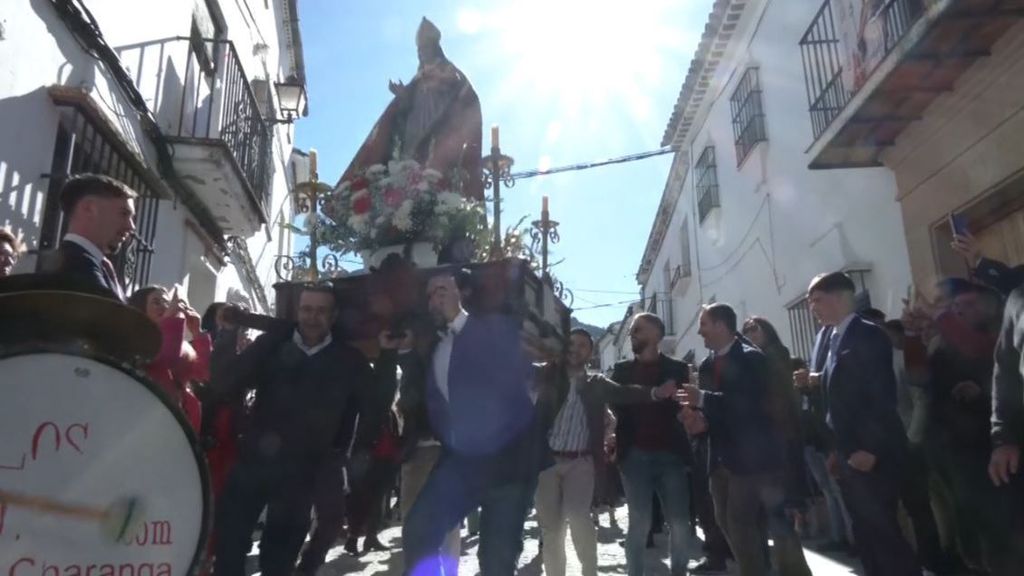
column 826, row 60
column 199, row 91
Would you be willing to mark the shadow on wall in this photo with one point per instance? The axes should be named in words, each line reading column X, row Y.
column 26, row 150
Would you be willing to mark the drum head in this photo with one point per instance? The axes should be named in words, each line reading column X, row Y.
column 83, row 433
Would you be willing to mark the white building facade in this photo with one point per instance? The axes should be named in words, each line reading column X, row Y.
column 176, row 98
column 742, row 219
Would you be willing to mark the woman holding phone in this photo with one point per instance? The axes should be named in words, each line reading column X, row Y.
column 181, row 362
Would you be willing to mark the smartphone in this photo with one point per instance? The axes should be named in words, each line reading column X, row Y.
column 958, row 224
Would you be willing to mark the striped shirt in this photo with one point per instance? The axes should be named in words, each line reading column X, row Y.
column 570, row 432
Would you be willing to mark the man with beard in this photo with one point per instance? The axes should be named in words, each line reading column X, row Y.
column 100, row 212
column 307, row 386
column 478, row 382
column 747, row 456
column 653, row 450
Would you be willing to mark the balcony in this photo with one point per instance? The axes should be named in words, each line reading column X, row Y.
column 210, row 115
column 869, row 77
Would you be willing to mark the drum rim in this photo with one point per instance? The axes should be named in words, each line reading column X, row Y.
column 179, row 415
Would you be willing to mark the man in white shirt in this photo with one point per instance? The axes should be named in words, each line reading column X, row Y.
column 100, row 212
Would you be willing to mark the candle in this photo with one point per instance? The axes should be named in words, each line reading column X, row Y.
column 545, row 204
column 312, row 163
column 494, row 136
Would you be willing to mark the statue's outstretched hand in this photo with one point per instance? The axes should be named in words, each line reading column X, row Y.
column 396, row 88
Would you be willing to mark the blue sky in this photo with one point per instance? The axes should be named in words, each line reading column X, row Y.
column 566, row 80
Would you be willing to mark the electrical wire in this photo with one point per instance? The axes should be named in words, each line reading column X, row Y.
column 596, row 164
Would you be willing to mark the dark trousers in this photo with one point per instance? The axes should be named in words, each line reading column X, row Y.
column 456, row 486
column 750, row 506
column 916, row 498
column 368, row 499
column 286, row 492
column 716, row 546
column 872, row 499
column 329, row 510
column 990, row 520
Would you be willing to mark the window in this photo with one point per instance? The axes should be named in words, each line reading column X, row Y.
column 86, row 146
column 747, row 114
column 684, row 263
column 707, row 183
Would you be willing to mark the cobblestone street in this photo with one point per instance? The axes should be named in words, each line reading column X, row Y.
column 611, row 555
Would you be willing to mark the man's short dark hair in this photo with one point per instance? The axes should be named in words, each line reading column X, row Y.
column 873, row 315
column 7, row 236
column 895, row 326
column 653, row 320
column 722, row 313
column 85, row 185
column 320, row 288
column 832, row 283
column 583, row 333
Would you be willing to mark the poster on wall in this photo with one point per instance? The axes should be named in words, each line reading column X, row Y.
column 860, row 25
column 863, row 33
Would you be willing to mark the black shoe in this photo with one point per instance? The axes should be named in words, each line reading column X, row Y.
column 709, row 566
column 832, row 547
column 375, row 545
column 352, row 546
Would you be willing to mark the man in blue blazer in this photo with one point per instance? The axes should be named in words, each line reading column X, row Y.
column 852, row 364
column 100, row 212
column 478, row 392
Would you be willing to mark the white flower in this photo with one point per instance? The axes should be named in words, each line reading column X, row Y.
column 359, row 224
column 432, row 175
column 402, row 218
column 448, row 202
column 376, row 170
column 423, row 186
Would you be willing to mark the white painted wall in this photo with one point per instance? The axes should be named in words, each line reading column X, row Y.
column 779, row 223
column 39, row 51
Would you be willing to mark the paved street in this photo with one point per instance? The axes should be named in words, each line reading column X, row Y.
column 611, row 556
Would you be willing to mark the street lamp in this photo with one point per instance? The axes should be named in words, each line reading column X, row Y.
column 291, row 99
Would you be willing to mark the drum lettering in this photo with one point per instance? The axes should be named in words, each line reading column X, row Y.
column 14, row 567
column 24, row 567
column 84, row 428
column 156, row 533
column 39, row 435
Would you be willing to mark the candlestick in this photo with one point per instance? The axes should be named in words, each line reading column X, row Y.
column 545, row 204
column 494, row 137
column 312, row 164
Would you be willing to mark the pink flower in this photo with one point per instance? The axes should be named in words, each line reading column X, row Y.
column 393, row 197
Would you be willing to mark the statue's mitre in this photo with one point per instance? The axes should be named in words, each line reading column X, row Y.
column 427, row 33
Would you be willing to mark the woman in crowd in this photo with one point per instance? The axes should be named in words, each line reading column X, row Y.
column 181, row 362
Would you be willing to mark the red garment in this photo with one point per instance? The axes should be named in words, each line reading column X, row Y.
column 653, row 429
column 222, row 456
column 180, row 363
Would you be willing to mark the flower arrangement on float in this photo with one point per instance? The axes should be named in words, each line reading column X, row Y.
column 384, row 208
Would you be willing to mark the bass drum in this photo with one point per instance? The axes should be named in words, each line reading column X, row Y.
column 82, row 432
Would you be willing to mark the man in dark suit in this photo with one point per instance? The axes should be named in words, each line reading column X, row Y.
column 478, row 394
column 308, row 386
column 653, row 450
column 853, row 366
column 747, row 450
column 100, row 213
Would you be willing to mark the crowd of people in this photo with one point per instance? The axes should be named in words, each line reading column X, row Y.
column 908, row 429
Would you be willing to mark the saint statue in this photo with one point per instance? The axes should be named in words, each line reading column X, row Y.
column 434, row 120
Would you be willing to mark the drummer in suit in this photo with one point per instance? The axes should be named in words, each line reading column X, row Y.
column 100, row 212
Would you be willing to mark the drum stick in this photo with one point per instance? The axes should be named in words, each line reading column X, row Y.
column 115, row 520
column 51, row 506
